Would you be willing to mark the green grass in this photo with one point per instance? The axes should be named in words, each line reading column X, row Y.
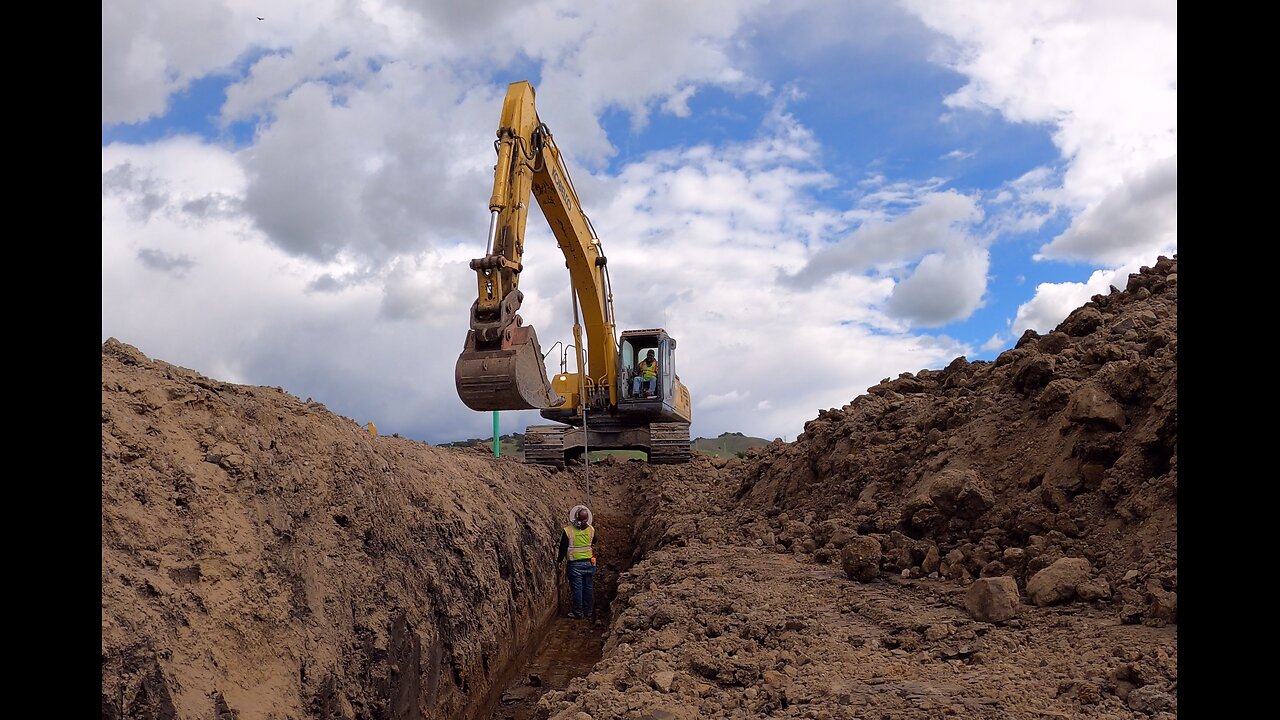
column 727, row 445
column 621, row 454
column 508, row 445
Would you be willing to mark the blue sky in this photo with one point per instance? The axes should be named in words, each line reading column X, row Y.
column 810, row 196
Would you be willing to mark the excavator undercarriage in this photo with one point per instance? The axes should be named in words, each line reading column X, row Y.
column 665, row 443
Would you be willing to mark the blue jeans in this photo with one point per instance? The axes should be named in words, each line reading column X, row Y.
column 580, row 574
column 651, row 382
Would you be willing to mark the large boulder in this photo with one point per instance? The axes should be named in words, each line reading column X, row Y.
column 860, row 558
column 960, row 493
column 992, row 599
column 1055, row 395
column 1162, row 605
column 1091, row 405
column 1057, row 583
column 1148, row 699
column 1081, row 322
column 1033, row 372
column 1053, row 343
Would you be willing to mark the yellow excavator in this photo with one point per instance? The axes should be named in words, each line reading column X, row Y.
column 502, row 367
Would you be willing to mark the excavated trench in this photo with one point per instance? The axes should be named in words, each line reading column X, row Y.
column 263, row 556
column 564, row 648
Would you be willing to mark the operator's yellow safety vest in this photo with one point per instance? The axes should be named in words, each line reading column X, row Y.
column 648, row 370
column 580, row 543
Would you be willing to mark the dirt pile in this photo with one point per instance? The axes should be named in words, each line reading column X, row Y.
column 1065, row 446
column 264, row 556
column 991, row 540
column 709, row 624
column 1019, row 520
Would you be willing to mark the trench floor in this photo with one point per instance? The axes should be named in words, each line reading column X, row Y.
column 569, row 649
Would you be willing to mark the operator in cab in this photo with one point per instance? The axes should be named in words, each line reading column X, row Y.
column 646, row 373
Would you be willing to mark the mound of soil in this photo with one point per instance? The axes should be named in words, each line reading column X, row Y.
column 264, row 556
column 1065, row 446
column 990, row 540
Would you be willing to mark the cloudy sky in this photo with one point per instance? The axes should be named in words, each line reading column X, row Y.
column 810, row 195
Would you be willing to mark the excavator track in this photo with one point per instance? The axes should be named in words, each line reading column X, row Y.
column 668, row 443
column 544, row 445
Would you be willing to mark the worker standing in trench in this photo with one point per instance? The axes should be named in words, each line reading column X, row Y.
column 577, row 545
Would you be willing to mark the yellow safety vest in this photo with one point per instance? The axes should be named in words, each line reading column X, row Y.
column 580, row 543
column 649, row 369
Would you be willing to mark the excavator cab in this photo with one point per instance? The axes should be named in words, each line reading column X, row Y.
column 633, row 348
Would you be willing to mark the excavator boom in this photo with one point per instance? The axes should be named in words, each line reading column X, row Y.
column 501, row 365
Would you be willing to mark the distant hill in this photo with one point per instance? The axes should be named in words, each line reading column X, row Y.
column 732, row 444
column 508, row 445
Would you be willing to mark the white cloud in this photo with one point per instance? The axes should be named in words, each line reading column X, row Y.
column 994, row 343
column 424, row 287
column 929, row 246
column 937, row 220
column 363, row 176
column 714, row 401
column 678, row 104
column 1053, row 302
column 1138, row 216
column 153, row 49
column 695, row 238
column 943, row 287
column 635, row 56
column 376, row 122
column 159, row 260
column 328, row 253
column 1104, row 77
column 375, row 348
column 1105, row 74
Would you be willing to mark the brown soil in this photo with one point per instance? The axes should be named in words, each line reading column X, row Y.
column 569, row 650
column 263, row 557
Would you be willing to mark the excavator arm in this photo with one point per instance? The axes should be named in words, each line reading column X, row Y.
column 501, row 366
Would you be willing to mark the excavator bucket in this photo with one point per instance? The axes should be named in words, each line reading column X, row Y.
column 511, row 377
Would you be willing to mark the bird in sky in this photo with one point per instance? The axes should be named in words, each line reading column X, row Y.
column 262, row 18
